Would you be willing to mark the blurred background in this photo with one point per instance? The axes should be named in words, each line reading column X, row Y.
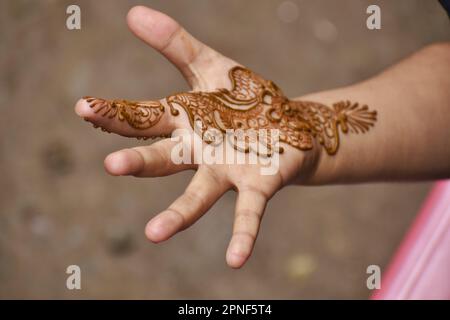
column 58, row 206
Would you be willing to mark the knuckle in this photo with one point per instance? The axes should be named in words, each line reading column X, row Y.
column 195, row 197
column 181, row 217
column 216, row 179
column 245, row 235
column 254, row 190
column 247, row 216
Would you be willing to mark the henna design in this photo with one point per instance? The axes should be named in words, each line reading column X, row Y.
column 139, row 115
column 252, row 103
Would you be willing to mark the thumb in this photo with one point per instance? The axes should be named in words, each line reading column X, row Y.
column 194, row 59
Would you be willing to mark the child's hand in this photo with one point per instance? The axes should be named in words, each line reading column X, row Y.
column 225, row 96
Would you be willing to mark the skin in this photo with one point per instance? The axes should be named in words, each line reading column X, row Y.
column 409, row 142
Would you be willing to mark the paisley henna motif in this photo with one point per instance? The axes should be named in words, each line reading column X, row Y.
column 252, row 103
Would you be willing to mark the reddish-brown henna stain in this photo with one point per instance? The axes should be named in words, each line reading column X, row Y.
column 252, row 103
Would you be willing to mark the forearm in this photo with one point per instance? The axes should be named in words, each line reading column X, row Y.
column 411, row 138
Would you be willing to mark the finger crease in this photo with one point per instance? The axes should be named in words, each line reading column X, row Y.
column 172, row 36
column 245, row 234
column 184, row 223
column 195, row 197
column 252, row 189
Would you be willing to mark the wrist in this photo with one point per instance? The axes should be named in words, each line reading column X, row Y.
column 339, row 120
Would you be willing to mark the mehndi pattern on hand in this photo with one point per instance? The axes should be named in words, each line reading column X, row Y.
column 252, row 103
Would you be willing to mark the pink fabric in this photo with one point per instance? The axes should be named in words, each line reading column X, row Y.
column 421, row 267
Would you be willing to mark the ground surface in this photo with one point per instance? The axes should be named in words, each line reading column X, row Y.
column 58, row 207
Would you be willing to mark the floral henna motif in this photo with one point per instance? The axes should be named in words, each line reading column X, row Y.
column 139, row 115
column 252, row 103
